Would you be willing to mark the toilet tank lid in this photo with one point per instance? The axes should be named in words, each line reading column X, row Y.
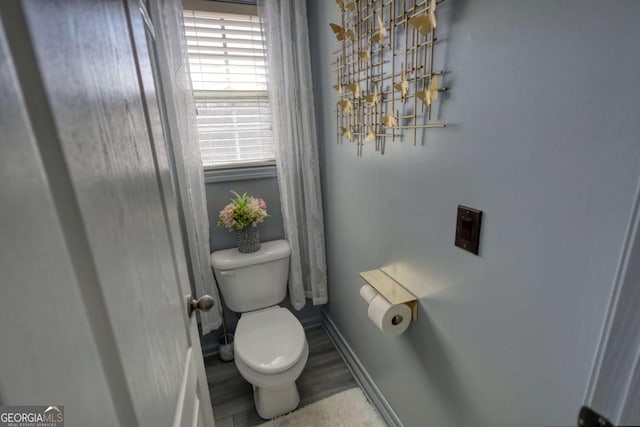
column 229, row 259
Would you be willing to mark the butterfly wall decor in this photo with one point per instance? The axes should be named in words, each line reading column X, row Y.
column 430, row 94
column 388, row 82
column 371, row 135
column 364, row 54
column 349, row 6
column 432, row 13
column 403, row 85
column 381, row 34
column 372, row 99
column 355, row 89
column 346, row 106
column 389, row 121
column 421, row 23
column 341, row 33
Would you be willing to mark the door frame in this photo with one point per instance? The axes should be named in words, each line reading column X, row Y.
column 613, row 388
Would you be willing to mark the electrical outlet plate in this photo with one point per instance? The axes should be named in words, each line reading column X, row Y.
column 468, row 225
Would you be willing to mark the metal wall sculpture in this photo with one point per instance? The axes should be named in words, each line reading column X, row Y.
column 387, row 82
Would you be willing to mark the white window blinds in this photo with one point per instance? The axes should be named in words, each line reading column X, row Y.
column 227, row 59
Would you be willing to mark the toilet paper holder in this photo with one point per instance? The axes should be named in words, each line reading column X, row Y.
column 389, row 288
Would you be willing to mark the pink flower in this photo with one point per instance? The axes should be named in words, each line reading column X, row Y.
column 243, row 211
column 226, row 215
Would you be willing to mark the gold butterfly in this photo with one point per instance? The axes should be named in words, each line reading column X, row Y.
column 338, row 88
column 347, row 133
column 421, row 23
column 351, row 5
column 433, row 88
column 346, row 106
column 355, row 88
column 432, row 13
column 341, row 33
column 372, row 98
column 389, row 121
column 403, row 85
column 423, row 95
column 364, row 54
column 431, row 93
column 381, row 34
column 371, row 135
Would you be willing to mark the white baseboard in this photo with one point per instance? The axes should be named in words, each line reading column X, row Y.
column 364, row 380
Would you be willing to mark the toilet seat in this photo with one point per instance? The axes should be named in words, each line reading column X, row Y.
column 270, row 341
column 274, row 381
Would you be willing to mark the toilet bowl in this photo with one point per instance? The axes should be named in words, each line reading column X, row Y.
column 271, row 352
column 270, row 346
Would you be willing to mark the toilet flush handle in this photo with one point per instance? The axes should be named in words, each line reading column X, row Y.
column 227, row 272
column 204, row 303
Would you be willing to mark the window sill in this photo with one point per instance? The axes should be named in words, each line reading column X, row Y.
column 239, row 173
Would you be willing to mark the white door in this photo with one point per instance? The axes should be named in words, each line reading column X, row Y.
column 93, row 314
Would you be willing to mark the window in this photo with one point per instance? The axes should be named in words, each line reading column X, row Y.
column 227, row 58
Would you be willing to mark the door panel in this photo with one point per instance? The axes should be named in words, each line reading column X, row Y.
column 43, row 317
column 95, row 101
column 190, row 411
column 187, row 399
column 93, row 65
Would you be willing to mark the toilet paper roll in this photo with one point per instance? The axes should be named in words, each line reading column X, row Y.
column 390, row 319
column 368, row 293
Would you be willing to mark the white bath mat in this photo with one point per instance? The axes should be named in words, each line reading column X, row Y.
column 349, row 409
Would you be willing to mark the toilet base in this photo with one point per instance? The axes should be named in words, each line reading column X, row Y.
column 271, row 403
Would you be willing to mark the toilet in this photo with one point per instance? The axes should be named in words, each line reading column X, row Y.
column 270, row 346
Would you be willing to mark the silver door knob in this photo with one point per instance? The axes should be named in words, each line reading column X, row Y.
column 204, row 303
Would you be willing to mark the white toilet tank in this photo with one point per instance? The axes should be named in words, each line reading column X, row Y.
column 250, row 282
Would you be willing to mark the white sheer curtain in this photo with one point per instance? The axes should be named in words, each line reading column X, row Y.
column 294, row 132
column 183, row 138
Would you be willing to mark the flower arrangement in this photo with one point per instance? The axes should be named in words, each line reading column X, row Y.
column 243, row 211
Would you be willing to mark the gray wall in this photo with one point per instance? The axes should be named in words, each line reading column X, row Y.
column 544, row 137
column 218, row 195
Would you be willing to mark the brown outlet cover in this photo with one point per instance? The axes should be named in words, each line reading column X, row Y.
column 468, row 226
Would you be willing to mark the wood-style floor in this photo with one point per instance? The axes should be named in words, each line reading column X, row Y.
column 232, row 397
